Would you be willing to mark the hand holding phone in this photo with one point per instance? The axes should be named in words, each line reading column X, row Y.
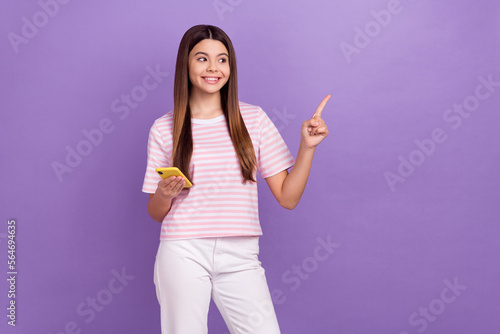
column 166, row 172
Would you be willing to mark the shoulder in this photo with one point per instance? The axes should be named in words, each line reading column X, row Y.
column 165, row 123
column 251, row 112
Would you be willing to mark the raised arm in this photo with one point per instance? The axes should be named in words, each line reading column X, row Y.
column 286, row 187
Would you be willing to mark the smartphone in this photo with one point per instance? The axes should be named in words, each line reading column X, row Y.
column 173, row 171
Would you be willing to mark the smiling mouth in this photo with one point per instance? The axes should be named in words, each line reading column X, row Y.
column 211, row 80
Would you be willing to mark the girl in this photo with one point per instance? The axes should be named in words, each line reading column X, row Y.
column 209, row 242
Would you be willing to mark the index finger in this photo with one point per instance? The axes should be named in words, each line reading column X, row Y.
column 321, row 106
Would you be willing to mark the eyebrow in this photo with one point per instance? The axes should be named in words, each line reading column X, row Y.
column 206, row 54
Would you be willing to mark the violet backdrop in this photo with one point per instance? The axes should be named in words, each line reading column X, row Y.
column 405, row 189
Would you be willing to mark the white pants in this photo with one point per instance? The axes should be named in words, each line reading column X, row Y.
column 189, row 272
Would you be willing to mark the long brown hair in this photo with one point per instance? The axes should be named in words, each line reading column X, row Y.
column 182, row 133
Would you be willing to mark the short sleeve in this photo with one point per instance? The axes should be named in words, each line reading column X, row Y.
column 274, row 155
column 157, row 157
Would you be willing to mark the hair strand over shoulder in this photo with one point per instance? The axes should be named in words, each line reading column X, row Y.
column 182, row 133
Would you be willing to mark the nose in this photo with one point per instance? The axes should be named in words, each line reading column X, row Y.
column 211, row 67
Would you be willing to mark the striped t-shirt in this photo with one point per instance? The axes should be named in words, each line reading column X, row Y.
column 218, row 204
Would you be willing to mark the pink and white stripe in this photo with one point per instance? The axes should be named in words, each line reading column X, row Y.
column 218, row 204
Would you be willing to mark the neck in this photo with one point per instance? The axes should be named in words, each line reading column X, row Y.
column 204, row 105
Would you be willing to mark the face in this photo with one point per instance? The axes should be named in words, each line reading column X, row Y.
column 208, row 66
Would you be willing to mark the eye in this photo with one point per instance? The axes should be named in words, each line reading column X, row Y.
column 222, row 60
column 202, row 59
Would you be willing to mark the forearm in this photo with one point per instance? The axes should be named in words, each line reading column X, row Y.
column 286, row 187
column 295, row 182
column 158, row 207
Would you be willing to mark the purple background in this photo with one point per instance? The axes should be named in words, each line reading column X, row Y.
column 397, row 246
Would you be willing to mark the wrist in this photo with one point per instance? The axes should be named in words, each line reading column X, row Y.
column 304, row 147
column 163, row 197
